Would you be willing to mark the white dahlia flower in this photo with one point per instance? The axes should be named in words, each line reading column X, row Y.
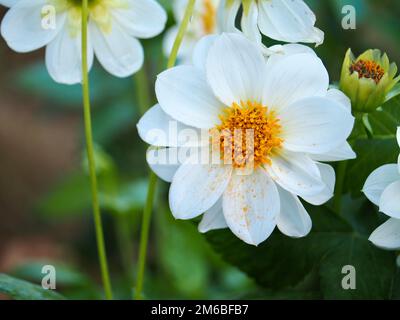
column 383, row 189
column 282, row 20
column 113, row 29
column 295, row 122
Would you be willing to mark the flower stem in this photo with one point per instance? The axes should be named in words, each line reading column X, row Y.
column 181, row 33
column 144, row 236
column 142, row 90
column 341, row 174
column 90, row 156
column 148, row 209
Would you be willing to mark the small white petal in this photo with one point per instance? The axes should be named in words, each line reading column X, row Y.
column 157, row 128
column 213, row 219
column 22, row 26
column 294, row 77
column 251, row 206
column 235, row 69
column 328, row 177
column 226, row 15
column 196, row 188
column 340, row 97
column 398, row 135
column 141, row 18
column 387, row 235
column 64, row 57
column 184, row 94
column 296, row 173
column 200, row 52
column 315, row 125
column 343, row 152
column 119, row 53
column 283, row 51
column 8, row 3
column 249, row 23
column 289, row 21
column 389, row 202
column 293, row 219
column 163, row 162
column 379, row 180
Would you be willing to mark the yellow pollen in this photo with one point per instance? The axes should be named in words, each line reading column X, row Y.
column 368, row 69
column 208, row 17
column 263, row 126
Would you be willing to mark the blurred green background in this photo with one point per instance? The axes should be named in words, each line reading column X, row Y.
column 45, row 208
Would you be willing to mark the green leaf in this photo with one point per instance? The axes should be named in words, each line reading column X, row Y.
column 282, row 264
column 371, row 154
column 384, row 122
column 374, row 270
column 281, row 261
column 23, row 290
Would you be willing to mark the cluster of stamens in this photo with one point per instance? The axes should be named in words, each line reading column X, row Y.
column 248, row 134
column 208, row 17
column 368, row 69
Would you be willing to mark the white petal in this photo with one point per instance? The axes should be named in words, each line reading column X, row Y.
column 249, row 23
column 387, row 235
column 22, row 26
column 379, row 180
column 282, row 51
column 296, row 173
column 159, row 129
column 251, row 206
column 64, row 58
column 196, row 188
column 200, row 52
column 8, row 3
column 315, row 125
column 340, row 97
column 119, row 53
column 293, row 219
column 294, row 77
column 343, row 152
column 185, row 50
column 226, row 16
column 328, row 177
column 213, row 219
column 184, row 94
column 235, row 69
column 289, row 21
column 141, row 18
column 163, row 162
column 398, row 135
column 390, row 200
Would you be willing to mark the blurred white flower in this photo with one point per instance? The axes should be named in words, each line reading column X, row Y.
column 296, row 122
column 113, row 28
column 202, row 23
column 383, row 189
column 282, row 20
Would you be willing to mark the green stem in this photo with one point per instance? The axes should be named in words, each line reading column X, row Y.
column 341, row 174
column 142, row 90
column 181, row 33
column 148, row 209
column 144, row 236
column 90, row 156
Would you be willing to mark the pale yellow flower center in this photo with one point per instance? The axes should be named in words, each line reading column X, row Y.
column 99, row 12
column 208, row 17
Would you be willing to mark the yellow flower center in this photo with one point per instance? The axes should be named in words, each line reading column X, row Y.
column 99, row 12
column 249, row 133
column 368, row 69
column 208, row 17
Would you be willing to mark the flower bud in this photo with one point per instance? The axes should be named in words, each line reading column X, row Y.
column 367, row 80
